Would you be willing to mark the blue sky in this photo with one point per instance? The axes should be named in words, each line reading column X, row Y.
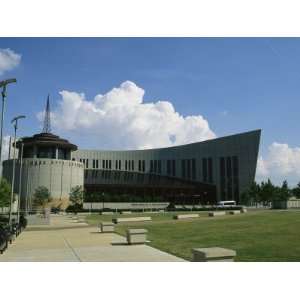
column 236, row 84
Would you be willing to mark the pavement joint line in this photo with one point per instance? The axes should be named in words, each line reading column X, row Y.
column 72, row 249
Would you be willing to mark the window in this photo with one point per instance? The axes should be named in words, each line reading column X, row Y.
column 204, row 169
column 97, row 164
column 173, row 167
column 159, row 167
column 87, row 163
column 236, row 187
column 103, row 164
column 132, row 165
column 188, row 168
column 168, row 167
column 126, row 165
column 155, row 166
column 222, row 178
column 183, row 171
column 119, row 164
column 210, row 170
column 229, row 178
column 109, row 164
column 193, row 169
column 143, row 166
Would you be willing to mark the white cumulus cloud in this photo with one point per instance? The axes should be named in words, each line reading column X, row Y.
column 120, row 119
column 8, row 60
column 281, row 162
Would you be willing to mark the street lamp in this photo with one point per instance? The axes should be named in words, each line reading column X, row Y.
column 3, row 84
column 20, row 180
column 14, row 121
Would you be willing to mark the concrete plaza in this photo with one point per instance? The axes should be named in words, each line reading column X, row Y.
column 67, row 240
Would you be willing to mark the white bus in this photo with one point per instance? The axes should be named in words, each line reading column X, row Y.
column 226, row 203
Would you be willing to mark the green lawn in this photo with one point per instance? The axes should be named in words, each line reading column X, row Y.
column 256, row 236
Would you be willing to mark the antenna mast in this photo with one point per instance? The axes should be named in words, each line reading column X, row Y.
column 47, row 124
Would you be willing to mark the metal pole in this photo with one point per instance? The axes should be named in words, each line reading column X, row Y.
column 2, row 121
column 20, row 181
column 13, row 176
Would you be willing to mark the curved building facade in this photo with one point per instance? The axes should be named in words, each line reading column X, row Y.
column 211, row 171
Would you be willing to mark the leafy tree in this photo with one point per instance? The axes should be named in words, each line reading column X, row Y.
column 267, row 192
column 41, row 196
column 296, row 191
column 5, row 192
column 76, row 197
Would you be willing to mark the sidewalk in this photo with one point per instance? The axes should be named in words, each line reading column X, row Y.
column 67, row 240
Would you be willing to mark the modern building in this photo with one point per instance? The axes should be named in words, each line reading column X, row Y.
column 204, row 172
column 208, row 172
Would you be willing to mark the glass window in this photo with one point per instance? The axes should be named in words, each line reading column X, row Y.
column 204, row 169
column 210, row 170
column 183, row 171
column 194, row 169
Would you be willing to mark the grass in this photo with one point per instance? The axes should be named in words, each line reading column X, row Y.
column 256, row 236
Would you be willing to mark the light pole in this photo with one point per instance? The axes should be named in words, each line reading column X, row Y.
column 20, row 181
column 15, row 124
column 3, row 84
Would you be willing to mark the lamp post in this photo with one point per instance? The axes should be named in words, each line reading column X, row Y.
column 3, row 84
column 20, row 181
column 15, row 124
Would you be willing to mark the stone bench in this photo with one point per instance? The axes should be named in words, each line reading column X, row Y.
column 126, row 212
column 234, row 212
column 216, row 213
column 243, row 210
column 106, row 227
column 136, row 236
column 213, row 254
column 133, row 219
column 185, row 216
column 107, row 213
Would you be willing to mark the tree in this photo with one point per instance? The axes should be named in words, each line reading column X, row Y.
column 5, row 192
column 267, row 192
column 76, row 198
column 41, row 196
column 296, row 191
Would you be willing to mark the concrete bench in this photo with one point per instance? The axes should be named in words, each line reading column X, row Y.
column 133, row 219
column 234, row 212
column 243, row 210
column 136, row 236
column 213, row 254
column 107, row 227
column 216, row 213
column 185, row 216
column 107, row 213
column 126, row 212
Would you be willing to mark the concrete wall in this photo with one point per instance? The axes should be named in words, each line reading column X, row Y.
column 125, row 205
column 59, row 176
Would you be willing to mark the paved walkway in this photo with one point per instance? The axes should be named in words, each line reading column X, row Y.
column 69, row 240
